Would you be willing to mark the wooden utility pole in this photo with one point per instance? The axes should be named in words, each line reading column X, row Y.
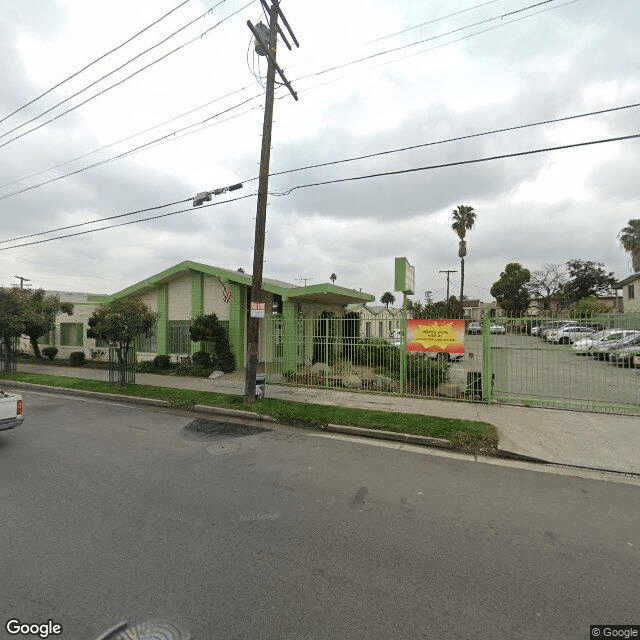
column 449, row 271
column 22, row 280
column 253, row 329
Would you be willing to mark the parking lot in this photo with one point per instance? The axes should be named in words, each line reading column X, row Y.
column 528, row 370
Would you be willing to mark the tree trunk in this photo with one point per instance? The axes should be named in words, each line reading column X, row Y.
column 461, row 282
column 35, row 347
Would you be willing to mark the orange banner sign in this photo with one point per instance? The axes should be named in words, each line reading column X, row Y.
column 435, row 335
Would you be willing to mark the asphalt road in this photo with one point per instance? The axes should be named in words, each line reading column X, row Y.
column 112, row 512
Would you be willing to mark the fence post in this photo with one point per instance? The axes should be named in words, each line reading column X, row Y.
column 403, row 346
column 487, row 362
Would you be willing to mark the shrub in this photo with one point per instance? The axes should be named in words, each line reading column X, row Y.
column 201, row 357
column 162, row 362
column 97, row 354
column 424, row 374
column 377, row 352
column 50, row 352
column 189, row 368
column 77, row 358
column 209, row 329
column 146, row 366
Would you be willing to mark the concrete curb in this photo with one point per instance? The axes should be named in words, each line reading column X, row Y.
column 86, row 394
column 389, row 435
column 232, row 413
column 250, row 415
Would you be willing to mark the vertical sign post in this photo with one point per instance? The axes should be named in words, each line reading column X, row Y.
column 405, row 282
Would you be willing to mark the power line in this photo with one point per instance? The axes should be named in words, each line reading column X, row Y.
column 424, row 24
column 173, row 134
column 305, row 186
column 123, row 224
column 232, row 93
column 456, row 139
column 83, row 224
column 417, row 42
column 116, row 84
column 133, row 135
column 456, row 164
column 178, row 133
column 90, row 64
column 110, row 73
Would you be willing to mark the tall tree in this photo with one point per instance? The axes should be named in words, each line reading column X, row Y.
column 120, row 323
column 333, row 277
column 463, row 219
column 511, row 291
column 43, row 311
column 14, row 311
column 629, row 238
column 548, row 283
column 587, row 278
column 387, row 298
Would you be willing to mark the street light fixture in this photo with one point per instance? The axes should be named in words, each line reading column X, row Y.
column 205, row 196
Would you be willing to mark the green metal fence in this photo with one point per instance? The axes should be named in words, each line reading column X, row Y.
column 504, row 361
column 573, row 363
column 336, row 353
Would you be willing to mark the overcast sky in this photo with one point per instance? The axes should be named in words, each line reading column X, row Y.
column 514, row 67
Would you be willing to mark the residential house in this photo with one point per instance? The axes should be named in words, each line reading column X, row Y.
column 377, row 321
column 188, row 289
column 630, row 286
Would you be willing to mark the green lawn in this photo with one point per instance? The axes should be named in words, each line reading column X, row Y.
column 464, row 435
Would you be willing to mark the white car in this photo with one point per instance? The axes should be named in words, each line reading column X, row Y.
column 10, row 410
column 497, row 328
column 569, row 333
column 606, row 337
column 603, row 350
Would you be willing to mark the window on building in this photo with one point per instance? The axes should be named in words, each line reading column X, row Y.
column 149, row 344
column 390, row 327
column 631, row 292
column 179, row 336
column 380, row 329
column 367, row 329
column 71, row 334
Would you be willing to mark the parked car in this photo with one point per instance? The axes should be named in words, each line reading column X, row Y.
column 443, row 355
column 10, row 410
column 626, row 356
column 552, row 325
column 569, row 333
column 602, row 351
column 497, row 328
column 474, row 328
column 606, row 337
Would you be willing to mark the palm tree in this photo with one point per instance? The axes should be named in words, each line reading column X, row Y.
column 387, row 298
column 333, row 277
column 630, row 240
column 463, row 219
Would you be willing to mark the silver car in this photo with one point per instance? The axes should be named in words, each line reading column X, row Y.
column 603, row 350
column 602, row 338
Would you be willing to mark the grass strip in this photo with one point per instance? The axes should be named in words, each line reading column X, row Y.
column 465, row 435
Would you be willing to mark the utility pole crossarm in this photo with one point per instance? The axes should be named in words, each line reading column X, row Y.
column 256, row 35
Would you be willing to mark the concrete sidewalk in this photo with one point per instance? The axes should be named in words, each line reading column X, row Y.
column 592, row 440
